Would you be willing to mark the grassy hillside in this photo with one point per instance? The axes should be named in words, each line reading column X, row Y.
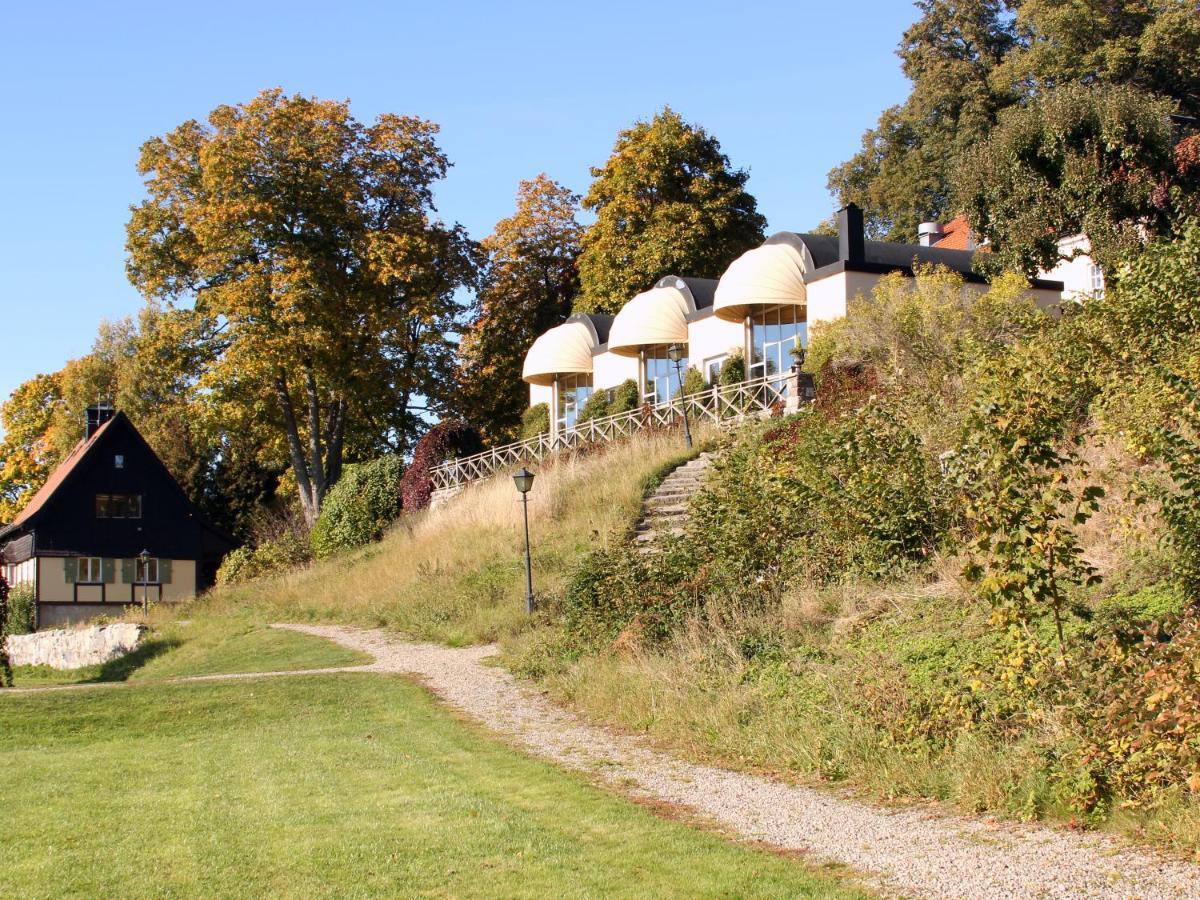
column 326, row 786
column 456, row 574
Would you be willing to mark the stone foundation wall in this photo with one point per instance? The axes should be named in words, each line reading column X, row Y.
column 74, row 648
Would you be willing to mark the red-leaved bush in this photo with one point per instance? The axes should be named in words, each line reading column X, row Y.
column 441, row 442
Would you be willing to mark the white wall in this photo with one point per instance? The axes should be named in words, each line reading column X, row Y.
column 21, row 573
column 1075, row 274
column 712, row 336
column 540, row 393
column 610, row 369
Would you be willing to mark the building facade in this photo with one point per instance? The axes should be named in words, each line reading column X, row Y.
column 110, row 528
column 760, row 308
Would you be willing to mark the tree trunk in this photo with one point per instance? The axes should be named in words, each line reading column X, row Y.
column 296, row 450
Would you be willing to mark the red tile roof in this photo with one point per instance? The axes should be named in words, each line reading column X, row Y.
column 59, row 475
column 956, row 235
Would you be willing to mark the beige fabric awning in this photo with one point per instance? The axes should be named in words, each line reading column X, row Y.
column 563, row 350
column 656, row 316
column 770, row 275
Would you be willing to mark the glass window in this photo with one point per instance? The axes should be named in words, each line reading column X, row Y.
column 119, row 461
column 712, row 368
column 573, row 391
column 118, row 506
column 775, row 333
column 1097, row 276
column 91, row 571
column 145, row 571
column 660, row 379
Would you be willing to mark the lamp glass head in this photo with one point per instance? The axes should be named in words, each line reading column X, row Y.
column 675, row 353
column 523, row 480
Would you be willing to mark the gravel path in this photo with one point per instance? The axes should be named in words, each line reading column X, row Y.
column 913, row 852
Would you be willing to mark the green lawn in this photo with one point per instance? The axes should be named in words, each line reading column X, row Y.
column 333, row 785
column 207, row 646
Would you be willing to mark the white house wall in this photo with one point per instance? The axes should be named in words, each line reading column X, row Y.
column 610, row 369
column 711, row 336
column 1075, row 274
column 541, row 393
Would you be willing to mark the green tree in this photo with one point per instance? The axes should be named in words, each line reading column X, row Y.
column 1098, row 159
column 902, row 174
column 528, row 286
column 307, row 244
column 667, row 201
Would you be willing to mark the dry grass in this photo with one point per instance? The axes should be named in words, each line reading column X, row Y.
column 456, row 574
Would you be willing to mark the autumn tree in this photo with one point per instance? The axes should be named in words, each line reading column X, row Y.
column 529, row 285
column 306, row 244
column 27, row 453
column 1103, row 160
column 666, row 202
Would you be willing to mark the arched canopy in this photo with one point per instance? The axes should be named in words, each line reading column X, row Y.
column 770, row 275
column 565, row 349
column 656, row 316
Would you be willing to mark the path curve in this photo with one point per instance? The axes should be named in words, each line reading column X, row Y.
column 909, row 851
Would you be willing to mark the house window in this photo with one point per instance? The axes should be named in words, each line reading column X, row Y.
column 1097, row 279
column 774, row 334
column 90, row 570
column 145, row 571
column 712, row 368
column 118, row 506
column 119, row 461
column 660, row 381
column 573, row 391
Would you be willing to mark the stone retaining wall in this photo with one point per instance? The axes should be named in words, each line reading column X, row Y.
column 76, row 647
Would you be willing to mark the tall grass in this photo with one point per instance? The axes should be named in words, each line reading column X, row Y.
column 456, row 573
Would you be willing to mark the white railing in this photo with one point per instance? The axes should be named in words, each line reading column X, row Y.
column 721, row 405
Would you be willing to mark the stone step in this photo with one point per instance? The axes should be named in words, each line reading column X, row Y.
column 646, row 537
column 663, row 508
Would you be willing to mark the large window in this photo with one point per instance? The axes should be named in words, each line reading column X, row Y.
column 573, row 391
column 774, row 334
column 118, row 506
column 659, row 379
column 145, row 571
column 90, row 570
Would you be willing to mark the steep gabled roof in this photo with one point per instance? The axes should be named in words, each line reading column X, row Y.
column 57, row 477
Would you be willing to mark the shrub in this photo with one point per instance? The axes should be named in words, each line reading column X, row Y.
column 271, row 558
column 6, row 676
column 733, row 370
column 693, row 381
column 625, row 396
column 22, row 606
column 595, row 407
column 441, row 442
column 535, row 420
column 359, row 507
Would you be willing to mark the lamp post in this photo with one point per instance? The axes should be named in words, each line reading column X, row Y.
column 524, row 481
column 144, row 557
column 675, row 354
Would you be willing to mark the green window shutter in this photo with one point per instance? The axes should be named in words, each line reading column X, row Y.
column 164, row 571
column 108, row 570
column 127, row 571
column 70, row 569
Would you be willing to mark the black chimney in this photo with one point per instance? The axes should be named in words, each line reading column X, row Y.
column 852, row 245
column 97, row 415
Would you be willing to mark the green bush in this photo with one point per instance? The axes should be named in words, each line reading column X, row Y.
column 595, row 407
column 733, row 370
column 693, row 381
column 625, row 396
column 22, row 605
column 271, row 558
column 359, row 507
column 535, row 420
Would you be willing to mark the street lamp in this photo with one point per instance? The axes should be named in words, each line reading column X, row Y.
column 524, row 481
column 675, row 354
column 144, row 556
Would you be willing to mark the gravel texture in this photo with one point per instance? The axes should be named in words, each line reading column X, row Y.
column 909, row 852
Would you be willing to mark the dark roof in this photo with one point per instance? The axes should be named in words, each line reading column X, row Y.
column 822, row 250
column 57, row 477
column 703, row 290
column 600, row 323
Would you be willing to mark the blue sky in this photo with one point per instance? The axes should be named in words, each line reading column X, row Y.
column 518, row 88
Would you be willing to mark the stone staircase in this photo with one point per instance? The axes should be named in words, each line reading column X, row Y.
column 666, row 510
